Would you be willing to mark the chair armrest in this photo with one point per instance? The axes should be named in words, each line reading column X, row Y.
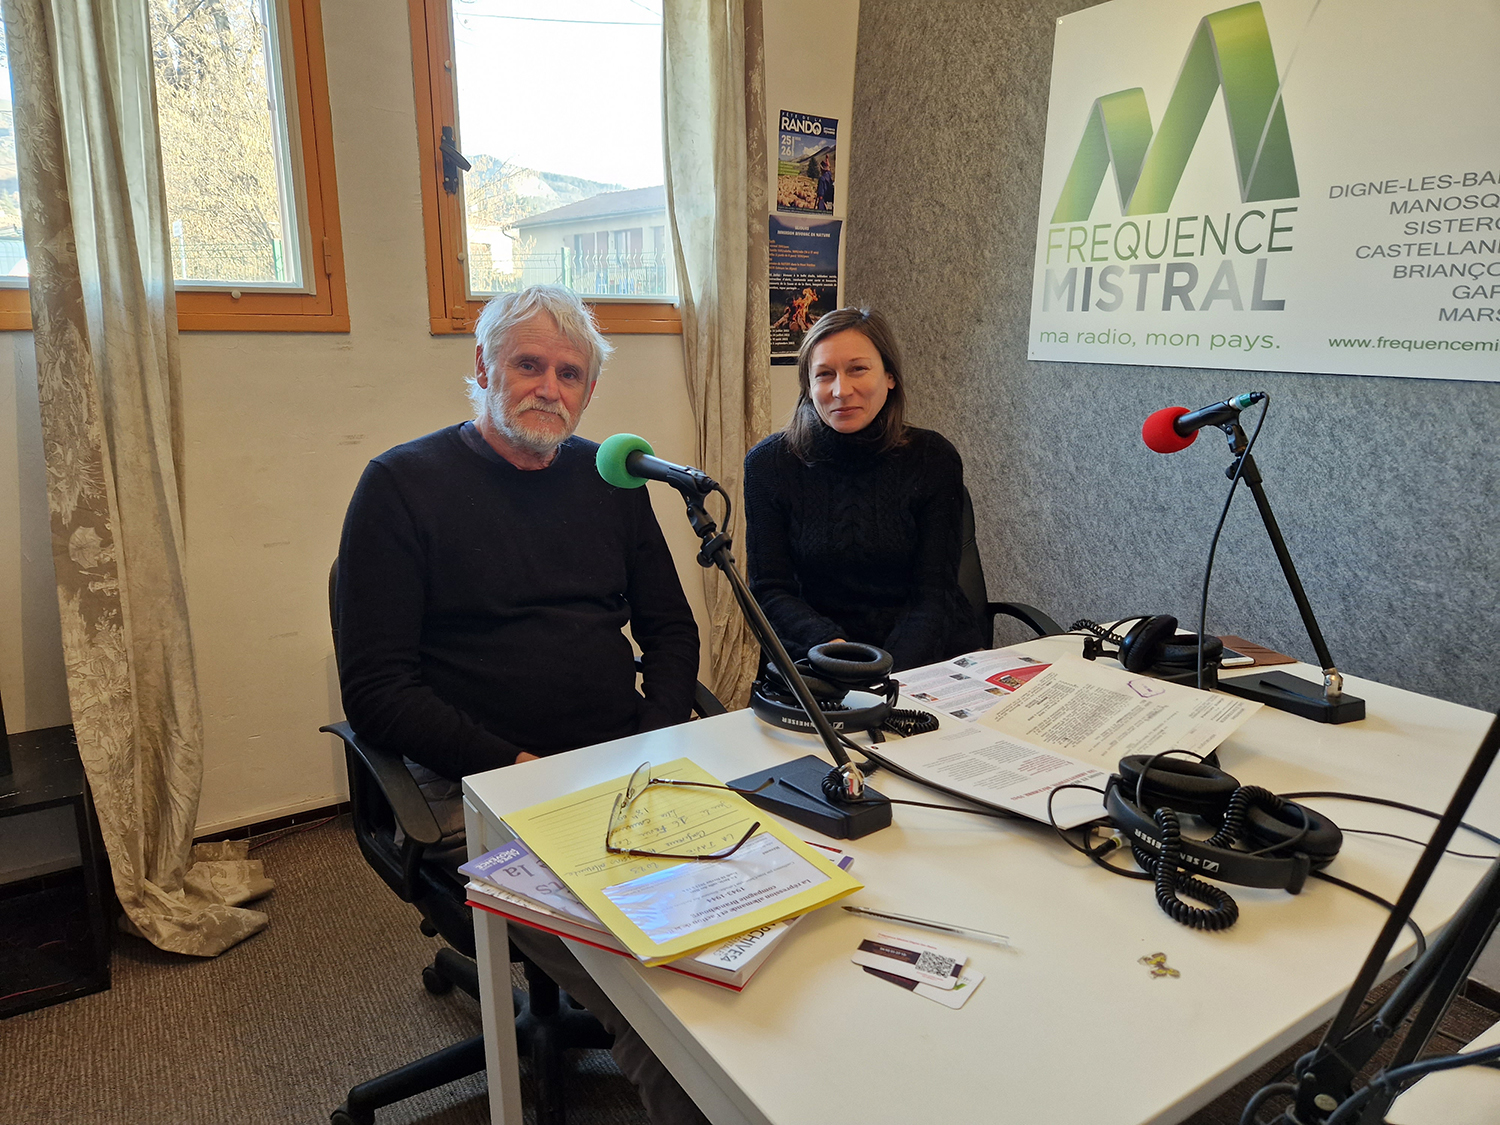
column 1028, row 615
column 705, row 702
column 389, row 774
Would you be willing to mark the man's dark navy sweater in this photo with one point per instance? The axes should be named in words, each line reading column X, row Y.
column 480, row 606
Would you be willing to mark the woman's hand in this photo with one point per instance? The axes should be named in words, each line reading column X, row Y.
column 527, row 756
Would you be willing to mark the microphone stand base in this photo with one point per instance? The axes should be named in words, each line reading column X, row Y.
column 798, row 796
column 1301, row 697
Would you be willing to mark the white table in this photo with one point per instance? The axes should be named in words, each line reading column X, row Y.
column 1467, row 1096
column 1070, row 1027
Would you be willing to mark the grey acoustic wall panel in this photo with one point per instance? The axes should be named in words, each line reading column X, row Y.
column 1386, row 489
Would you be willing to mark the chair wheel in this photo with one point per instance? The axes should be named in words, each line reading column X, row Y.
column 342, row 1116
column 435, row 983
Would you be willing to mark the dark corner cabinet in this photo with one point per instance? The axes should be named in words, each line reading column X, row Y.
column 56, row 896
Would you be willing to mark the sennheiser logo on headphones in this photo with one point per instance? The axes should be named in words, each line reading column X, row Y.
column 1207, row 866
column 803, row 724
column 1232, row 49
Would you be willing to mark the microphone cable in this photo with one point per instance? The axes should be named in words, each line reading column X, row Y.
column 833, row 790
column 1386, row 1082
column 1213, row 546
column 1404, row 807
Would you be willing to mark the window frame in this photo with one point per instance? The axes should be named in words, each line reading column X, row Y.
column 450, row 309
column 325, row 306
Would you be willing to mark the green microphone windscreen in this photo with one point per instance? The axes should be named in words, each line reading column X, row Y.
column 610, row 460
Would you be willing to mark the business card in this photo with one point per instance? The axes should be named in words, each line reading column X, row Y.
column 914, row 960
column 954, row 997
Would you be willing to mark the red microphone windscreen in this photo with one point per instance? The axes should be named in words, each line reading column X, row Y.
column 1159, row 435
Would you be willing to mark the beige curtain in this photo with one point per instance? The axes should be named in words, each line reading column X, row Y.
column 715, row 139
column 105, row 326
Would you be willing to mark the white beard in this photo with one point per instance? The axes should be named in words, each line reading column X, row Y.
column 510, row 420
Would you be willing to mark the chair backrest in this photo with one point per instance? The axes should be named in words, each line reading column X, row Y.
column 390, row 815
column 5, row 766
column 970, row 568
column 333, row 604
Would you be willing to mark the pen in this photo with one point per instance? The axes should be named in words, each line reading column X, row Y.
column 927, row 924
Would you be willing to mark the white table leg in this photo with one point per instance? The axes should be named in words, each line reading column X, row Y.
column 713, row 1091
column 492, row 955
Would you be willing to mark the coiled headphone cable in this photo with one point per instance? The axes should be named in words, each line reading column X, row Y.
column 1172, row 882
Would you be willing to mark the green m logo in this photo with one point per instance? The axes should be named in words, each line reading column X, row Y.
column 1231, row 49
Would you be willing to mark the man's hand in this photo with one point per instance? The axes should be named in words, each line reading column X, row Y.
column 527, row 756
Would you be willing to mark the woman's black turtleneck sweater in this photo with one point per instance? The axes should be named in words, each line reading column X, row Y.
column 860, row 544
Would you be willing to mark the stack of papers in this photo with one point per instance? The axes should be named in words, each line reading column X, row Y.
column 1067, row 723
column 512, row 882
column 659, row 910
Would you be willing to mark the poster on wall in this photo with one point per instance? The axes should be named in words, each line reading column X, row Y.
column 1286, row 185
column 806, row 162
column 804, row 279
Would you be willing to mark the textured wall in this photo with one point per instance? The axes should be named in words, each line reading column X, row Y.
column 1386, row 489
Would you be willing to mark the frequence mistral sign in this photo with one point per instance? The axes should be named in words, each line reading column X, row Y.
column 1283, row 185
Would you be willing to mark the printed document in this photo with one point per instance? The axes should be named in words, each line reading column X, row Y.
column 1003, row 772
column 1070, row 725
column 682, row 900
column 970, row 685
column 1100, row 714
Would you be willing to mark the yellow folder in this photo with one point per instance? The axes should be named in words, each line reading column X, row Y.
column 663, row 909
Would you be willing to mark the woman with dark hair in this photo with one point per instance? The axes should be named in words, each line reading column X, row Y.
column 852, row 516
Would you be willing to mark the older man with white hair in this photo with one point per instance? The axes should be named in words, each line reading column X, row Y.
column 486, row 573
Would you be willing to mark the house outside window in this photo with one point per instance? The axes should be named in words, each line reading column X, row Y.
column 562, row 197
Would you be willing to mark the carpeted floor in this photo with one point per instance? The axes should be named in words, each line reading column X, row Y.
column 276, row 1030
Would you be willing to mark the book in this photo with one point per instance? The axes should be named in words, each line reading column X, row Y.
column 730, row 964
column 514, row 869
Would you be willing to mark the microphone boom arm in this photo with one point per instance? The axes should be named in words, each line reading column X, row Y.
column 715, row 552
column 1250, row 474
column 1323, row 1079
column 1335, row 706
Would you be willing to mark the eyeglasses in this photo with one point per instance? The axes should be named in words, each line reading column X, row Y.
column 640, row 781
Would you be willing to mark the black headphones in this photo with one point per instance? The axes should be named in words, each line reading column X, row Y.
column 831, row 671
column 1260, row 840
column 1152, row 645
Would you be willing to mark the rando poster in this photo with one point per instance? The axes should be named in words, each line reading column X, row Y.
column 804, row 279
column 807, row 158
column 1288, row 185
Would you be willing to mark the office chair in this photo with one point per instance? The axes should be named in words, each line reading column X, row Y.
column 971, row 582
column 400, row 836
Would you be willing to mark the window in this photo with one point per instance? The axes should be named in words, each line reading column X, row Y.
column 247, row 161
column 556, row 110
column 15, row 311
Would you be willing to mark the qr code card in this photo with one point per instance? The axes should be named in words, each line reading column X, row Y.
column 915, row 960
column 948, row 997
